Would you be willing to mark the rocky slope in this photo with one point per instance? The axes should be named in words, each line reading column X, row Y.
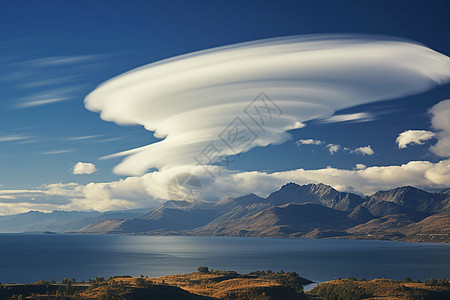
column 308, row 211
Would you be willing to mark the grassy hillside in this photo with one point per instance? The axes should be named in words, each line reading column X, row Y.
column 199, row 285
column 352, row 288
column 214, row 284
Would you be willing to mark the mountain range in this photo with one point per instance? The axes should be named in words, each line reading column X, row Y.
column 294, row 211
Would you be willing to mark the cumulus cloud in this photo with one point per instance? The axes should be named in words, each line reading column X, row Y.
column 308, row 142
column 418, row 137
column 333, row 148
column 203, row 99
column 84, row 168
column 364, row 180
column 152, row 188
column 440, row 121
column 367, row 150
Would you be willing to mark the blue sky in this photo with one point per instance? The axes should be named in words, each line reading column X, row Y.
column 54, row 53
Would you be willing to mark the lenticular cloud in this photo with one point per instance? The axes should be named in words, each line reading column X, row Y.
column 223, row 101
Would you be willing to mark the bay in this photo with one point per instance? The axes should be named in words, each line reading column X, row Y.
column 32, row 257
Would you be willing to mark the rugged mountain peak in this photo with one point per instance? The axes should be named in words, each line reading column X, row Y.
column 412, row 198
column 244, row 200
column 316, row 193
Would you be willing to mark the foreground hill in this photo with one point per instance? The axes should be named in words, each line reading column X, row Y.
column 228, row 285
column 381, row 289
column 308, row 211
column 193, row 286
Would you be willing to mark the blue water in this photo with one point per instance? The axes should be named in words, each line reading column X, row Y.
column 31, row 257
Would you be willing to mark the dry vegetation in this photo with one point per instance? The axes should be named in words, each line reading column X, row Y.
column 381, row 289
column 231, row 285
column 205, row 284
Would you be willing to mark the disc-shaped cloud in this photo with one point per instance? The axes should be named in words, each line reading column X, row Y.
column 208, row 104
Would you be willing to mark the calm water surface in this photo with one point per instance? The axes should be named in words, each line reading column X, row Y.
column 30, row 257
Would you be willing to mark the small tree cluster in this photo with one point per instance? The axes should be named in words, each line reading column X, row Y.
column 202, row 269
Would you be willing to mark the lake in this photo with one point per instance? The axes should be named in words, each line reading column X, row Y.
column 31, row 257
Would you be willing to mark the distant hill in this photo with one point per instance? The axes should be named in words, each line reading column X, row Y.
column 281, row 221
column 307, row 211
column 58, row 221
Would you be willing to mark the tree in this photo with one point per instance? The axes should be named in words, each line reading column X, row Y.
column 202, row 269
column 140, row 282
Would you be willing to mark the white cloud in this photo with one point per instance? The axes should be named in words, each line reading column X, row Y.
column 81, row 138
column 40, row 102
column 152, row 188
column 50, row 96
column 418, row 137
column 198, row 99
column 360, row 166
column 84, row 168
column 356, row 117
column 57, row 152
column 61, row 60
column 333, row 148
column 189, row 101
column 12, row 138
column 367, row 150
column 440, row 120
column 309, row 142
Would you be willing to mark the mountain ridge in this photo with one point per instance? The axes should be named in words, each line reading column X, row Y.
column 295, row 211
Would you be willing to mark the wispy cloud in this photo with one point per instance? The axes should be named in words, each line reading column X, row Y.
column 50, row 96
column 34, row 103
column 11, row 138
column 61, row 60
column 81, row 138
column 58, row 151
column 48, row 82
column 356, row 117
column 111, row 139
